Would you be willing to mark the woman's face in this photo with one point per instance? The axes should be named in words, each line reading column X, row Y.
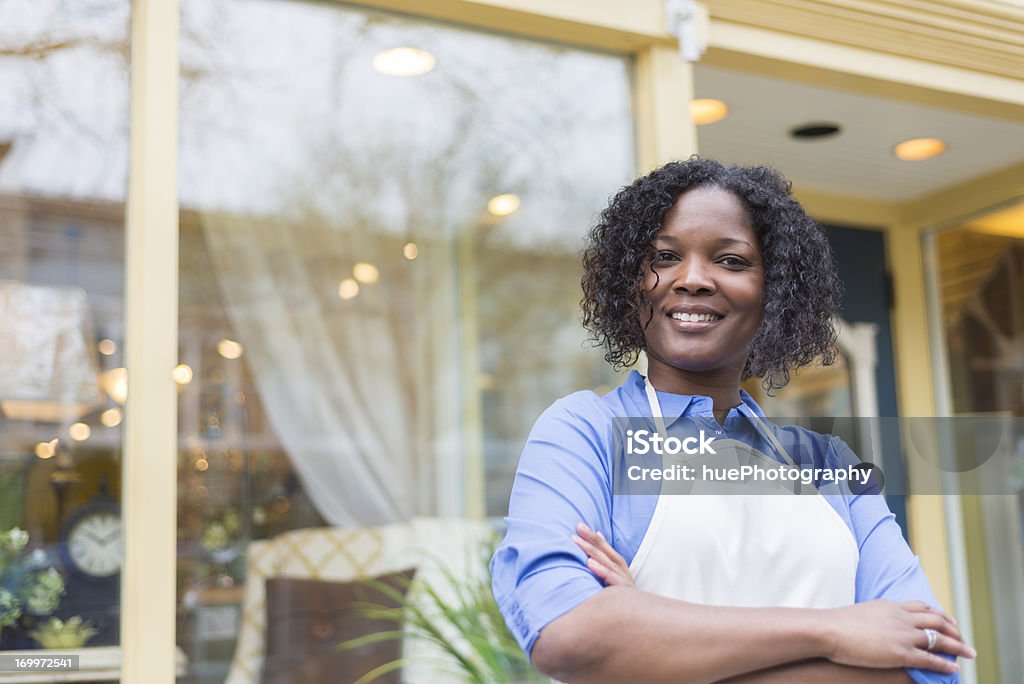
column 705, row 284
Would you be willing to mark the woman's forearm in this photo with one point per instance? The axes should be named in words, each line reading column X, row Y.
column 821, row 672
column 623, row 634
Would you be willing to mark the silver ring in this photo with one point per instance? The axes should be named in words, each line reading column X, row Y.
column 933, row 638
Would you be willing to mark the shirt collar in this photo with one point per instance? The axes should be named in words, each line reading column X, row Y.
column 674, row 406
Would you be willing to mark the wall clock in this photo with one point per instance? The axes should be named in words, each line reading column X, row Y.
column 91, row 537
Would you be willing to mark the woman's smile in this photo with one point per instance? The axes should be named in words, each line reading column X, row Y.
column 694, row 318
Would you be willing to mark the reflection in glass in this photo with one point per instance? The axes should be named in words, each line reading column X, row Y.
column 979, row 277
column 396, row 257
column 63, row 161
column 814, row 390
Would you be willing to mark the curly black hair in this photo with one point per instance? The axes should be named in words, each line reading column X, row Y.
column 801, row 294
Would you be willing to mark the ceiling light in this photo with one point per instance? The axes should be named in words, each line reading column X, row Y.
column 503, row 205
column 182, row 374
column 80, row 432
column 45, row 450
column 115, row 382
column 410, row 251
column 366, row 273
column 107, row 347
column 229, row 349
column 815, row 131
column 918, row 149
column 111, row 417
column 348, row 288
column 705, row 111
column 404, row 61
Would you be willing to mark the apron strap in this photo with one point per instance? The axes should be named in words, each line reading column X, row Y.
column 759, row 424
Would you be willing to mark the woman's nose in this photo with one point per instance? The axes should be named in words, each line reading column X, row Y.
column 693, row 276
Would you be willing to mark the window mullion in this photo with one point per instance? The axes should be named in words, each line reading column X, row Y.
column 151, row 343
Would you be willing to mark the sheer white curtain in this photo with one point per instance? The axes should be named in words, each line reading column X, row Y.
column 339, row 378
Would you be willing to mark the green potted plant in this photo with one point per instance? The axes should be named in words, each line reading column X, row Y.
column 27, row 588
column 461, row 618
column 63, row 634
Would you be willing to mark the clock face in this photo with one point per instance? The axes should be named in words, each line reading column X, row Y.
column 94, row 544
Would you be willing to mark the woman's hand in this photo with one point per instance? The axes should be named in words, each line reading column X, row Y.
column 605, row 562
column 883, row 633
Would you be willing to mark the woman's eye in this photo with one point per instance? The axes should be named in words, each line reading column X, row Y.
column 665, row 256
column 732, row 261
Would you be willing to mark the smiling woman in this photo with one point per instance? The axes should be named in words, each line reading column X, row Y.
column 718, row 275
column 799, row 288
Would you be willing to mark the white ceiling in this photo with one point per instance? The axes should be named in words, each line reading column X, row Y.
column 859, row 161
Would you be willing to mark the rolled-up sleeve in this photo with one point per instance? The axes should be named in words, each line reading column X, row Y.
column 888, row 569
column 538, row 573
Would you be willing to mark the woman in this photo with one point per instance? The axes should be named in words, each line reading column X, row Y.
column 717, row 274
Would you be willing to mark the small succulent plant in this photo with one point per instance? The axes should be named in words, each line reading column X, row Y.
column 57, row 633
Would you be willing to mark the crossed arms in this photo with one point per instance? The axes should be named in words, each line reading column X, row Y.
column 624, row 634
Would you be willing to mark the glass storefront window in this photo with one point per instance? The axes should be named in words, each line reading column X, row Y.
column 977, row 276
column 63, row 177
column 380, row 226
column 812, row 391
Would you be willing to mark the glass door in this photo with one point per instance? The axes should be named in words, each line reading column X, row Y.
column 977, row 295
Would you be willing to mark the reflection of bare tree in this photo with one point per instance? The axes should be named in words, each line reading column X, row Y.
column 283, row 121
column 64, row 86
column 63, row 123
column 42, row 47
column 45, row 58
column 337, row 164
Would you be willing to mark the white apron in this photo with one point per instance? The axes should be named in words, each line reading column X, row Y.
column 749, row 550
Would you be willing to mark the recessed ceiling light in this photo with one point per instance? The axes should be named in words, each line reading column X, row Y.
column 918, row 149
column 503, row 205
column 815, row 131
column 707, row 111
column 404, row 61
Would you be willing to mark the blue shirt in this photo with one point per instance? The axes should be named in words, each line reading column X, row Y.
column 565, row 477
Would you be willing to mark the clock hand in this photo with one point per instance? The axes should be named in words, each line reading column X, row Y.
column 90, row 535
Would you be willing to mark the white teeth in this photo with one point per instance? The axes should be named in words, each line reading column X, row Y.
column 695, row 318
